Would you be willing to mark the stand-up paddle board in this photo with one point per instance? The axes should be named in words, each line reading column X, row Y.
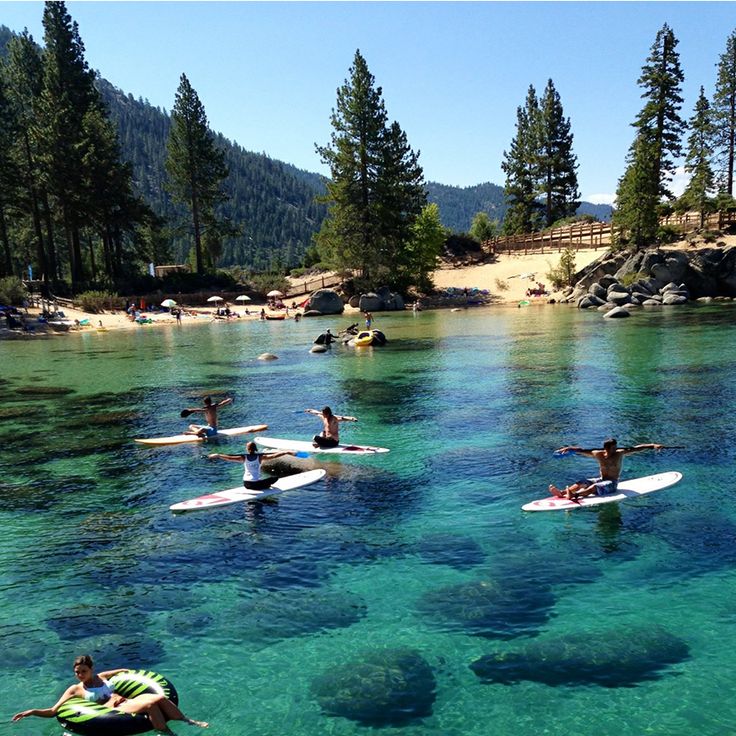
column 627, row 489
column 180, row 439
column 300, row 446
column 241, row 495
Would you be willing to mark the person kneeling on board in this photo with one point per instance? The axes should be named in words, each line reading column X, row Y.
column 330, row 435
column 610, row 462
column 210, row 414
column 252, row 465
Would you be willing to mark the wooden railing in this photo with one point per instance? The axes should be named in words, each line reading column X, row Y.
column 579, row 235
column 691, row 220
column 309, row 285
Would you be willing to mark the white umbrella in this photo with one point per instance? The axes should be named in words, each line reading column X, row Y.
column 168, row 303
column 215, row 299
column 275, row 292
column 242, row 298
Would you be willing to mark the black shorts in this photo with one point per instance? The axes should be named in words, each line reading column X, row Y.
column 324, row 442
column 259, row 485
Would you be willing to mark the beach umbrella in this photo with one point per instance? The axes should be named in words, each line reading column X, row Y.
column 215, row 299
column 168, row 303
column 242, row 298
column 275, row 292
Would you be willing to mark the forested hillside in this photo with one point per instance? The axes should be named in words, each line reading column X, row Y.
column 458, row 205
column 272, row 202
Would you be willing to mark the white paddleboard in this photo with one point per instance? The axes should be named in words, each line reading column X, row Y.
column 627, row 489
column 302, row 446
column 241, row 495
column 180, row 439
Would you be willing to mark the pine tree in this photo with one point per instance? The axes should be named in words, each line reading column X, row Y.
column 521, row 167
column 67, row 94
column 9, row 173
column 350, row 235
column 196, row 167
column 427, row 237
column 556, row 163
column 660, row 79
column 635, row 217
column 724, row 116
column 483, row 228
column 699, row 154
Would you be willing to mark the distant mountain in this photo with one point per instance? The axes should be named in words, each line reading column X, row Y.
column 458, row 205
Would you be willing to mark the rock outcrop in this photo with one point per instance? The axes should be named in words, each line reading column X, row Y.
column 326, row 301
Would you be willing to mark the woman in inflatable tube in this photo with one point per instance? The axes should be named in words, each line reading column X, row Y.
column 95, row 688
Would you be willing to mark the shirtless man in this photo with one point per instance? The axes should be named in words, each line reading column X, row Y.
column 210, row 414
column 610, row 462
column 330, row 435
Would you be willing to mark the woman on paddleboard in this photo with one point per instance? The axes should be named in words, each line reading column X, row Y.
column 252, row 465
column 96, row 689
column 330, row 435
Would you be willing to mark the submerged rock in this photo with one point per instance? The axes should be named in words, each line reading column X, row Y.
column 450, row 549
column 617, row 313
column 489, row 608
column 615, row 658
column 385, row 688
column 268, row 356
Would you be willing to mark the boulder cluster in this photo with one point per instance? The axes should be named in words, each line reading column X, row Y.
column 381, row 300
column 619, row 281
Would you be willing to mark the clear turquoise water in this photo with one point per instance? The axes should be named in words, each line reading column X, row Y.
column 244, row 608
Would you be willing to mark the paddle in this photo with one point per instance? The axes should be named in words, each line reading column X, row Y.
column 563, row 453
column 301, row 454
column 185, row 413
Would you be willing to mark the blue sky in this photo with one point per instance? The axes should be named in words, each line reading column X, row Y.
column 452, row 73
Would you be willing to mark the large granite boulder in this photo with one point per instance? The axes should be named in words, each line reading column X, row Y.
column 326, row 301
column 617, row 313
column 598, row 290
column 370, row 302
column 670, row 298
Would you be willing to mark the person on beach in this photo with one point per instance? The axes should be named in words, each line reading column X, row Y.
column 610, row 462
column 252, row 465
column 330, row 435
column 368, row 320
column 96, row 689
column 210, row 414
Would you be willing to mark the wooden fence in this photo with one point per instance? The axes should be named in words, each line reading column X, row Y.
column 308, row 286
column 594, row 234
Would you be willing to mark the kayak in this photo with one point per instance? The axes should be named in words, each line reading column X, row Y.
column 627, row 489
column 244, row 495
column 274, row 443
column 180, row 439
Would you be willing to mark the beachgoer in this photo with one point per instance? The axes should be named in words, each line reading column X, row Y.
column 252, row 465
column 297, row 317
column 610, row 462
column 263, row 313
column 96, row 689
column 330, row 435
column 210, row 414
column 326, row 339
column 368, row 320
column 178, row 316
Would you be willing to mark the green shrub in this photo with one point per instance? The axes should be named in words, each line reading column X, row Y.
column 710, row 236
column 631, row 278
column 502, row 285
column 265, row 282
column 668, row 234
column 97, row 301
column 563, row 274
column 12, row 291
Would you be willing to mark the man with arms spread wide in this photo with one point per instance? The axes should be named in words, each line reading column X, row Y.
column 610, row 461
column 210, row 414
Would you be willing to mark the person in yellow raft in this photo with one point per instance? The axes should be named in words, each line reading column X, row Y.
column 610, row 462
column 96, row 689
column 330, row 435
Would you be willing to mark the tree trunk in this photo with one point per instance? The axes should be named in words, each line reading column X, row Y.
column 40, row 252
column 8, row 265
column 54, row 271
column 92, row 258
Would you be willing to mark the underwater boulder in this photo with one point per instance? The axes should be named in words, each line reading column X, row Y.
column 614, row 658
column 390, row 687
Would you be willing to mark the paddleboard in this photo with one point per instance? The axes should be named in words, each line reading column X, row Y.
column 180, row 439
column 302, row 446
column 627, row 489
column 242, row 495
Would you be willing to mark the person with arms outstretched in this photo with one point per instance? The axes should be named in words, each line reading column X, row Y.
column 610, row 462
column 330, row 435
column 210, row 414
column 95, row 688
column 252, row 465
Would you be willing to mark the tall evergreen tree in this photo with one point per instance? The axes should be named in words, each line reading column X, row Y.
column 376, row 189
column 659, row 129
column 724, row 116
column 425, row 244
column 196, row 167
column 556, row 163
column 350, row 235
column 520, row 165
column 9, row 173
column 699, row 154
column 24, row 78
column 67, row 94
column 660, row 79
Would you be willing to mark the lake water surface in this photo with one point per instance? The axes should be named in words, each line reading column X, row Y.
column 361, row 602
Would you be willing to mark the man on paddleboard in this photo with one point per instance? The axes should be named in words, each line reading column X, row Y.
column 610, row 462
column 252, row 465
column 210, row 414
column 330, row 435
